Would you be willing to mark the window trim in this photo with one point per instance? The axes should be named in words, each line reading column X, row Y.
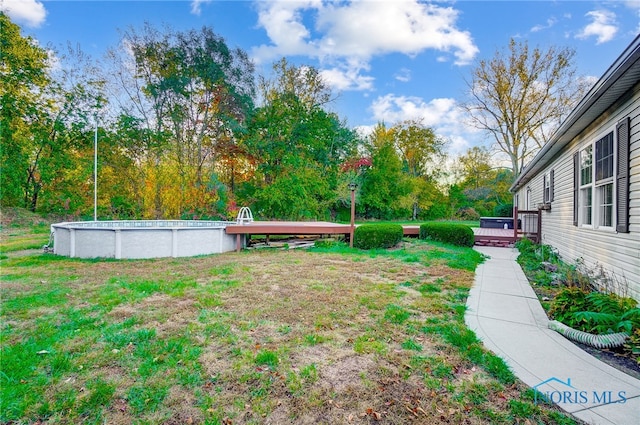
column 548, row 187
column 595, row 186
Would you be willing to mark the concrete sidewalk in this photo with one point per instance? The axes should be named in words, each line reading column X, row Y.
column 505, row 314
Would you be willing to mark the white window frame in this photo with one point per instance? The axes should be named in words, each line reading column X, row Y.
column 595, row 187
column 547, row 190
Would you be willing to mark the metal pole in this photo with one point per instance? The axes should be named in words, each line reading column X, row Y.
column 95, row 173
column 353, row 215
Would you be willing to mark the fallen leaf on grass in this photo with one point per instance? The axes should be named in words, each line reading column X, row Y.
column 377, row 416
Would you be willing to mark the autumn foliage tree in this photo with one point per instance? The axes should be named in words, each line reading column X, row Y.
column 520, row 96
column 180, row 136
column 422, row 153
column 188, row 94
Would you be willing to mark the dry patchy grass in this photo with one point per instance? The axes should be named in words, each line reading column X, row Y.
column 270, row 337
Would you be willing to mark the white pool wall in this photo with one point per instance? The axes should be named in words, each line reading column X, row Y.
column 136, row 239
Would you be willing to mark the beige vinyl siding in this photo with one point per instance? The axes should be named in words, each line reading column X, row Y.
column 617, row 253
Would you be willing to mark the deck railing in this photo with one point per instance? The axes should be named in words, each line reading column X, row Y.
column 528, row 224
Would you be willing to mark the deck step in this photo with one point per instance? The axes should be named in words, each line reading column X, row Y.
column 493, row 242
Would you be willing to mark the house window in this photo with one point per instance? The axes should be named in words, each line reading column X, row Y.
column 547, row 195
column 586, row 174
column 601, row 181
column 596, row 196
column 604, row 180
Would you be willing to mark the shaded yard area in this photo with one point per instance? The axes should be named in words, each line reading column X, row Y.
column 329, row 335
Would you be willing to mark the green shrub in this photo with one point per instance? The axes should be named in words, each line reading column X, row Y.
column 595, row 312
column 526, row 246
column 505, row 210
column 453, row 233
column 566, row 303
column 369, row 236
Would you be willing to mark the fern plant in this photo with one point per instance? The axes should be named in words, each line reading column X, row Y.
column 566, row 303
column 595, row 312
column 604, row 323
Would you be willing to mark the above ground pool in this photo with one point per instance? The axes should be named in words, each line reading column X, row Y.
column 141, row 238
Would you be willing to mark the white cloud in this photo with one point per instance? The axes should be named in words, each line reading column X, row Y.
column 603, row 26
column 347, row 78
column 28, row 12
column 196, row 6
column 550, row 22
column 345, row 35
column 442, row 114
column 633, row 4
column 282, row 20
column 368, row 28
column 404, row 75
column 391, row 109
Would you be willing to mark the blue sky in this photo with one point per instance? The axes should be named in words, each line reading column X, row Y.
column 388, row 60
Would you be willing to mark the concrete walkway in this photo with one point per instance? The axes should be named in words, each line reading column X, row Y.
column 505, row 314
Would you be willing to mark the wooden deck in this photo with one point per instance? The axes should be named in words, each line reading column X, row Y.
column 300, row 228
column 483, row 236
column 289, row 228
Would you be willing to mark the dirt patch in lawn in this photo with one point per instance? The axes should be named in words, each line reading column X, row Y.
column 260, row 337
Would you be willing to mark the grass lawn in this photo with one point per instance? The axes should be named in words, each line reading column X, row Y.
column 329, row 335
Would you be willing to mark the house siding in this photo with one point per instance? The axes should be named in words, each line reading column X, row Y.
column 617, row 253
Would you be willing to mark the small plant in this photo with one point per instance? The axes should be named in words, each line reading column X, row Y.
column 525, row 246
column 452, row 233
column 267, row 358
column 314, row 339
column 566, row 303
column 370, row 236
column 396, row 314
column 410, row 344
column 309, row 373
column 633, row 345
column 325, row 243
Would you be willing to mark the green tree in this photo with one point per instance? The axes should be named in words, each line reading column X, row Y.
column 303, row 82
column 296, row 148
column 482, row 185
column 520, row 96
column 24, row 74
column 385, row 187
column 474, row 167
column 46, row 114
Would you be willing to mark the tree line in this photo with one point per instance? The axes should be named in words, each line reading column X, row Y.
column 186, row 129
